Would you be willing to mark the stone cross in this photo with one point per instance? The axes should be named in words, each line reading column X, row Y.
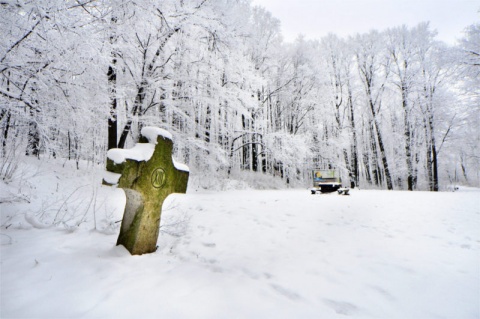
column 148, row 174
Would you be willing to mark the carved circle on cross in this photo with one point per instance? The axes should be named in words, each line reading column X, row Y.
column 158, row 178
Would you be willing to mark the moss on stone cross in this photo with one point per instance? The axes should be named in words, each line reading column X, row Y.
column 148, row 174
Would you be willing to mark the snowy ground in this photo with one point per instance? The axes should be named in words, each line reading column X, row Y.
column 238, row 254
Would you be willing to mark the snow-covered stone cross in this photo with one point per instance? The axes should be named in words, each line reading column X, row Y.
column 148, row 174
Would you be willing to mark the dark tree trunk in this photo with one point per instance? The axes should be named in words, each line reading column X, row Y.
column 69, row 146
column 434, row 159
column 366, row 164
column 137, row 110
column 124, row 135
column 374, row 165
column 33, row 142
column 429, row 159
column 208, row 121
column 245, row 148
column 112, row 137
column 408, row 140
column 33, row 147
column 434, row 166
column 388, row 177
column 7, row 115
column 354, row 152
column 254, row 153
column 256, row 139
column 112, row 119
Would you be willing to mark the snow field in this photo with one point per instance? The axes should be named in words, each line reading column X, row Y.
column 373, row 254
column 260, row 254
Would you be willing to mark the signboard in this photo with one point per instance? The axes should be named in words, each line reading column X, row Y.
column 321, row 174
column 326, row 180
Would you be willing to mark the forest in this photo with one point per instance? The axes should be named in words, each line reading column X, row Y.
column 392, row 109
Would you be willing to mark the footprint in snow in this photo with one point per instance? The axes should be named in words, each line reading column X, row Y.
column 342, row 307
column 286, row 292
column 383, row 292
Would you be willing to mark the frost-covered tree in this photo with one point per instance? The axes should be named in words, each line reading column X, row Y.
column 374, row 69
column 468, row 151
column 402, row 48
column 48, row 64
column 80, row 77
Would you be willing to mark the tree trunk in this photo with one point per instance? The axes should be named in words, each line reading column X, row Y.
column 246, row 145
column 112, row 119
column 112, row 83
column 434, row 181
column 354, row 149
column 7, row 115
column 408, row 140
column 123, row 137
column 33, row 141
column 374, row 165
column 137, row 110
column 254, row 153
column 365, row 153
column 434, row 163
column 366, row 164
column 208, row 121
column 388, row 177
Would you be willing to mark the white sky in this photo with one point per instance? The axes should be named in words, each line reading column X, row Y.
column 317, row 18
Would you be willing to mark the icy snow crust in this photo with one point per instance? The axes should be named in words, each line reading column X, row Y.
column 151, row 133
column 180, row 166
column 143, row 151
column 239, row 254
column 111, row 178
column 140, row 152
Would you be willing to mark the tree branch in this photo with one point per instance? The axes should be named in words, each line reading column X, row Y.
column 21, row 39
column 11, row 97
